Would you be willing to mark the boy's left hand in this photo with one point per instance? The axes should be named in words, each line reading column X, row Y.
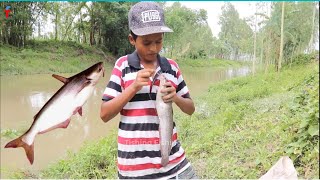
column 171, row 90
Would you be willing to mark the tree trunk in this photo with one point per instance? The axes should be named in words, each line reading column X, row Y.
column 281, row 41
column 56, row 26
column 254, row 43
column 311, row 45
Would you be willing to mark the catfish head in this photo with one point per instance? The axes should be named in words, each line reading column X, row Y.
column 94, row 72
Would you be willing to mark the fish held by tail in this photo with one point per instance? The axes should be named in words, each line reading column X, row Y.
column 19, row 143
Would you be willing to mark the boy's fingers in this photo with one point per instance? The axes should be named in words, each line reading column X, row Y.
column 146, row 74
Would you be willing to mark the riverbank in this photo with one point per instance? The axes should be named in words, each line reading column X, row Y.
column 43, row 57
column 241, row 127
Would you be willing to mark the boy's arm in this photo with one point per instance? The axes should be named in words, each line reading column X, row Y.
column 109, row 109
column 185, row 104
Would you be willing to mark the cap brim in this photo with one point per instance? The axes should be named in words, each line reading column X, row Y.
column 151, row 30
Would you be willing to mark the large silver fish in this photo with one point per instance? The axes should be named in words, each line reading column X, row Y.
column 57, row 111
column 165, row 114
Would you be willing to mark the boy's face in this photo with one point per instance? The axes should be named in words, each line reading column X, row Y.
column 148, row 46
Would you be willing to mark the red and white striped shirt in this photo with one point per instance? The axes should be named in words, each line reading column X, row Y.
column 139, row 154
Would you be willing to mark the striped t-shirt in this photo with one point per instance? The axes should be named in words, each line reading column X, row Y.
column 139, row 154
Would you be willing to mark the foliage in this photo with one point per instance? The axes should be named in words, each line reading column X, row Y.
column 18, row 28
column 304, row 146
column 235, row 33
column 297, row 31
column 191, row 33
column 301, row 59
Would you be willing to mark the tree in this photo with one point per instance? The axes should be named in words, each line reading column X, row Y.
column 281, row 41
column 235, row 32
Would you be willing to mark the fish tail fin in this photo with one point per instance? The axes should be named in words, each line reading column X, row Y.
column 164, row 161
column 19, row 143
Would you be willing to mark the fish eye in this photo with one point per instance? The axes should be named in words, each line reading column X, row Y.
column 100, row 68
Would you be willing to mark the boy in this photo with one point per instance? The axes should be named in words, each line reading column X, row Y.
column 131, row 92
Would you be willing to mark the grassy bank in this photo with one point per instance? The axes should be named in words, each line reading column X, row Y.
column 240, row 129
column 41, row 57
column 244, row 125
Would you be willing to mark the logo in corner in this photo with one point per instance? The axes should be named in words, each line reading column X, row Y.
column 7, row 11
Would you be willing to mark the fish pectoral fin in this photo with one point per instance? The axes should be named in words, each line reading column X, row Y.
column 85, row 84
column 60, row 78
column 19, row 143
column 64, row 124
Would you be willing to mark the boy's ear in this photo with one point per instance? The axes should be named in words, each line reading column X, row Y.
column 131, row 40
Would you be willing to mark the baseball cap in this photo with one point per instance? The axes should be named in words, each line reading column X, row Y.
column 147, row 18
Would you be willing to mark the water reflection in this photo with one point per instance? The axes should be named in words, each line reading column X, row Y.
column 38, row 99
column 237, row 72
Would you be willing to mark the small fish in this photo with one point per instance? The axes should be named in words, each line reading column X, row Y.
column 165, row 114
column 57, row 111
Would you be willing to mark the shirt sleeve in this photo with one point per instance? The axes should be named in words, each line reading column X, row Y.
column 182, row 89
column 114, row 86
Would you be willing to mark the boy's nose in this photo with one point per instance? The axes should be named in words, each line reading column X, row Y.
column 153, row 47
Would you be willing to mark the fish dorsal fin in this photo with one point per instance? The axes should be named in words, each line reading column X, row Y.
column 60, row 78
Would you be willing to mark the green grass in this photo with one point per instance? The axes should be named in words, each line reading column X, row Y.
column 242, row 126
column 42, row 57
column 95, row 160
column 10, row 133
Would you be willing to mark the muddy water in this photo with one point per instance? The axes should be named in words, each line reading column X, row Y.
column 23, row 96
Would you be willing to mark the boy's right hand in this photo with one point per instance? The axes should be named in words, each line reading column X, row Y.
column 142, row 78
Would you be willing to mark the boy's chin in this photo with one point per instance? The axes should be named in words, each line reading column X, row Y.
column 150, row 59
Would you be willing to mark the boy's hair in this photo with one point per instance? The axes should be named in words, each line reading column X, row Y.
column 134, row 36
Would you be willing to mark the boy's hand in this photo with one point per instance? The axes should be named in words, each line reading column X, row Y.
column 171, row 90
column 142, row 78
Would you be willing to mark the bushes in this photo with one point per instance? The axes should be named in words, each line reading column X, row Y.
column 302, row 59
column 304, row 146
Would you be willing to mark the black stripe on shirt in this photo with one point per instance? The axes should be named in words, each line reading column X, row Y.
column 144, row 97
column 158, row 175
column 114, row 86
column 106, row 98
column 172, row 72
column 128, row 70
column 142, row 154
column 181, row 86
column 140, row 126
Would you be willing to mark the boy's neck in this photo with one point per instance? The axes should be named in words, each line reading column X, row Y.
column 149, row 64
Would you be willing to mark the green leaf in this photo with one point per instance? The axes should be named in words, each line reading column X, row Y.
column 313, row 130
column 304, row 123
